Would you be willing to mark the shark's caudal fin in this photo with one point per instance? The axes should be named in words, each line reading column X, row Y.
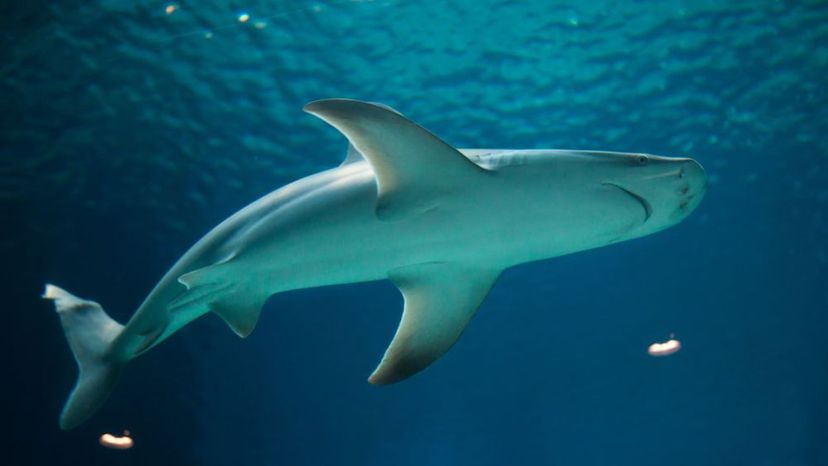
column 90, row 333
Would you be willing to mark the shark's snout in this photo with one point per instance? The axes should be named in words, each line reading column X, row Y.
column 668, row 189
column 691, row 187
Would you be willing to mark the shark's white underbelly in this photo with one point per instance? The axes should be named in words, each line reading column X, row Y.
column 339, row 239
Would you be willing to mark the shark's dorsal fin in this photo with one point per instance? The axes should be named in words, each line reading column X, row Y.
column 414, row 168
column 352, row 156
column 387, row 107
column 440, row 299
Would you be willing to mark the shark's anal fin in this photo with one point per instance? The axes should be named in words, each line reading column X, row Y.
column 440, row 299
column 207, row 289
column 240, row 312
column 414, row 168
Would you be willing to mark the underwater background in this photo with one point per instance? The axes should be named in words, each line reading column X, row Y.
column 130, row 128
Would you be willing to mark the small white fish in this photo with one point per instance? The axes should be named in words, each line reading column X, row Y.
column 664, row 349
column 123, row 442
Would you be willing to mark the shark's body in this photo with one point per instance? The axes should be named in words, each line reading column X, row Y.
column 440, row 223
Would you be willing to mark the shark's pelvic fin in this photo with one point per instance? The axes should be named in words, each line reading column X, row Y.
column 90, row 333
column 440, row 299
column 414, row 168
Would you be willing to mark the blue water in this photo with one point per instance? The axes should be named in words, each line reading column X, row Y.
column 127, row 133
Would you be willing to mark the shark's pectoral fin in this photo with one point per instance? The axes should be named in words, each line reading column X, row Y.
column 207, row 290
column 414, row 168
column 440, row 299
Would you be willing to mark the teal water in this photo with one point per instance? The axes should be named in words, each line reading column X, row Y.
column 127, row 133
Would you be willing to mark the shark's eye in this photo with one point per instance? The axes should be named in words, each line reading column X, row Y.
column 643, row 159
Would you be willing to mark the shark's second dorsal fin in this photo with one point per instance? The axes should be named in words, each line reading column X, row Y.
column 414, row 168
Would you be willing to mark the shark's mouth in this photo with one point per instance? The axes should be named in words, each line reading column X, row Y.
column 645, row 204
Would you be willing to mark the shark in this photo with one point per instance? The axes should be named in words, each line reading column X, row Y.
column 440, row 223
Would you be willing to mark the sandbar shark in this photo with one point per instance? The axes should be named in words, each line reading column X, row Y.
column 440, row 223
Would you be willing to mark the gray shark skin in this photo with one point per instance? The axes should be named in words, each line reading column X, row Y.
column 439, row 222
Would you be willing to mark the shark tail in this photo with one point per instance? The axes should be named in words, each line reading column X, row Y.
column 90, row 333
